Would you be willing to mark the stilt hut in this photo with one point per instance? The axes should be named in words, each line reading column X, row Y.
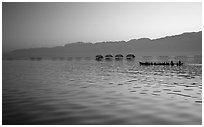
column 99, row 57
column 130, row 56
column 118, row 57
column 108, row 57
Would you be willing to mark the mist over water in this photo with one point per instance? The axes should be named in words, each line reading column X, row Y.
column 101, row 92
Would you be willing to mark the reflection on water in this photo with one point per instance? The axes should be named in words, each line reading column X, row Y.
column 105, row 92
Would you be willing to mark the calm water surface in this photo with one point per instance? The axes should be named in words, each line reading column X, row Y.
column 107, row 92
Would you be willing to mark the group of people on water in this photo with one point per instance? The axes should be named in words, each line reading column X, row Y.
column 131, row 56
column 161, row 63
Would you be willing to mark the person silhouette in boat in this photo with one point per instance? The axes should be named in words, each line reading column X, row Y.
column 179, row 63
column 172, row 63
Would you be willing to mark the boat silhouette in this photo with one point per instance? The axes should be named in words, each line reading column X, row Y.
column 161, row 63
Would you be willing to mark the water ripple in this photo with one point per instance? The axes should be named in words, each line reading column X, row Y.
column 106, row 92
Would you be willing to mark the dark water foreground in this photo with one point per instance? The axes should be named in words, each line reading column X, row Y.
column 106, row 92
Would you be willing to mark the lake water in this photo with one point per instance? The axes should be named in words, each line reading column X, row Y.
column 107, row 92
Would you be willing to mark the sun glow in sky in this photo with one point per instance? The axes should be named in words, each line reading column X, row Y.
column 30, row 25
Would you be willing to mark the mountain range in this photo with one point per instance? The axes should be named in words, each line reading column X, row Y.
column 187, row 44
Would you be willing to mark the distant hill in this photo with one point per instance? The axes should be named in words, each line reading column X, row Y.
column 183, row 44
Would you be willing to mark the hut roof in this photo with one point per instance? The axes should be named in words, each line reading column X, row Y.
column 99, row 56
column 109, row 55
column 119, row 55
column 130, row 55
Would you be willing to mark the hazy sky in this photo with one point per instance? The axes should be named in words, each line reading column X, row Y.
column 29, row 25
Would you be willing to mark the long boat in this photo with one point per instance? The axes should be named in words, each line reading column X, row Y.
column 161, row 63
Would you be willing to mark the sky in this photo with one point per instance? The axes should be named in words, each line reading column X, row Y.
column 33, row 25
